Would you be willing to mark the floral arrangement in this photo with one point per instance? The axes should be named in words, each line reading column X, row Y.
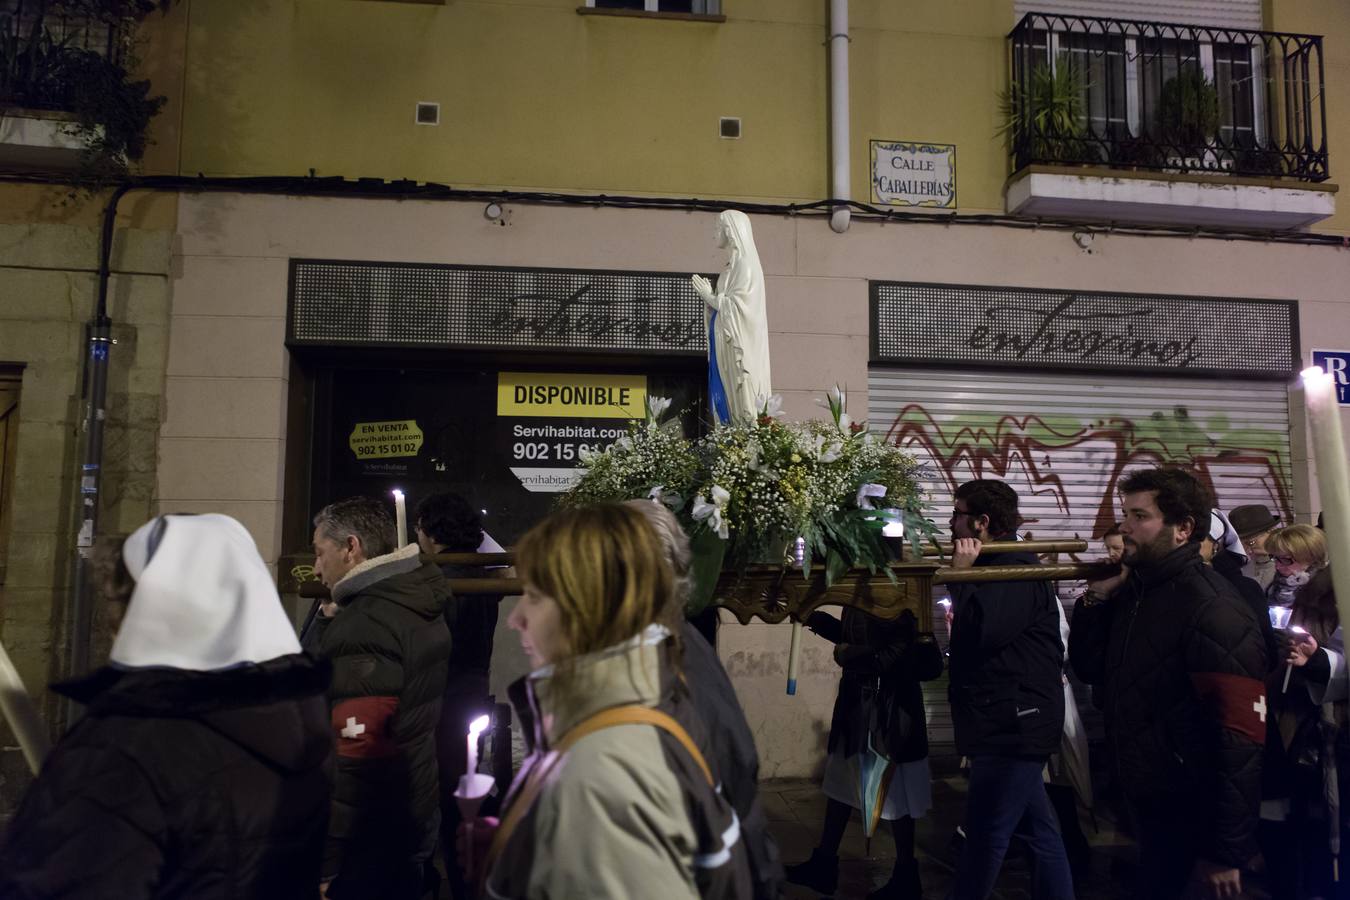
column 749, row 489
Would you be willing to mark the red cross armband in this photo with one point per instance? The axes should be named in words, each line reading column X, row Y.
column 363, row 727
column 1238, row 702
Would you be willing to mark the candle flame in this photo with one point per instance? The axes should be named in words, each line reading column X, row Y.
column 398, row 494
column 478, row 725
column 1314, row 374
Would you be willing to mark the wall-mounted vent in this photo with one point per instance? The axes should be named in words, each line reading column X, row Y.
column 428, row 113
column 729, row 127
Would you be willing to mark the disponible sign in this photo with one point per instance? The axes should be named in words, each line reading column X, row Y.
column 549, row 420
column 1336, row 363
column 914, row 174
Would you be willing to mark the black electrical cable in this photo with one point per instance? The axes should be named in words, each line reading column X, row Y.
column 374, row 188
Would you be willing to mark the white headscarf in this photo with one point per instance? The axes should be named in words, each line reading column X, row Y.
column 1222, row 533
column 203, row 601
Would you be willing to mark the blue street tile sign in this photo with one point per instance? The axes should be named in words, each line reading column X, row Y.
column 1337, row 362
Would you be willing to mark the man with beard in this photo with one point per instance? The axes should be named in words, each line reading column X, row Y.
column 1007, row 697
column 1181, row 658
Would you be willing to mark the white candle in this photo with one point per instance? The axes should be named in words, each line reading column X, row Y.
column 401, row 514
column 794, row 654
column 18, row 709
column 1333, row 483
column 476, row 727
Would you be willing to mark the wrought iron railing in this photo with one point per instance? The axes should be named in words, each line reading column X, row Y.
column 1175, row 98
column 44, row 44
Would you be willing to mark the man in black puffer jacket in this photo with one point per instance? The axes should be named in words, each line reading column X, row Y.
column 1007, row 697
column 202, row 765
column 385, row 634
column 1182, row 659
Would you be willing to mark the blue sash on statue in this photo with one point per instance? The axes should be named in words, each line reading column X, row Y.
column 717, row 394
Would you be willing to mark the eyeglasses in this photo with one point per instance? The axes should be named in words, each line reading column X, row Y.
column 1284, row 560
column 958, row 513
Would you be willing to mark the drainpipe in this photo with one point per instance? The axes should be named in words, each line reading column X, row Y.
column 91, row 469
column 839, row 126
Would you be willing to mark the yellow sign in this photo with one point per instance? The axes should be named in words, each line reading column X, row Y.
column 571, row 396
column 385, row 440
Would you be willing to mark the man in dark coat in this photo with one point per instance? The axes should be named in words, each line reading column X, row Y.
column 202, row 765
column 446, row 523
column 385, row 634
column 1182, row 659
column 1007, row 697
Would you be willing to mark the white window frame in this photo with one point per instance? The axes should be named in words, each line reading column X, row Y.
column 1206, row 59
column 712, row 7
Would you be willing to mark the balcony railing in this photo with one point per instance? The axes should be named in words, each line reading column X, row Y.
column 1172, row 98
column 44, row 46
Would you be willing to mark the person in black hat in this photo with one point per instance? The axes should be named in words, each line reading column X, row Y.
column 1254, row 523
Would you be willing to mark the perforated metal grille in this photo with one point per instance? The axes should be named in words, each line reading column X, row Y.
column 350, row 303
column 1047, row 329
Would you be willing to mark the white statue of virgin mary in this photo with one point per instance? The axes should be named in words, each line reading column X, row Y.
column 738, row 327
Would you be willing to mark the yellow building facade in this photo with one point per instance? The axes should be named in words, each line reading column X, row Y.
column 549, row 109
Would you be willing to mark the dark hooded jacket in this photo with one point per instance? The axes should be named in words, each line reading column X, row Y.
column 1182, row 658
column 731, row 747
column 1229, row 565
column 389, row 646
column 879, row 692
column 179, row 784
column 1007, row 664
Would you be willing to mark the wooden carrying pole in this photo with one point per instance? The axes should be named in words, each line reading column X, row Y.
column 508, row 586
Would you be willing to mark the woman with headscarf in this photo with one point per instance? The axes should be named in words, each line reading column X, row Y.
column 1301, row 802
column 1224, row 551
column 878, row 720
column 738, row 326
column 202, row 764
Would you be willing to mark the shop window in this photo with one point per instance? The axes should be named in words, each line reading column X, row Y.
column 506, row 439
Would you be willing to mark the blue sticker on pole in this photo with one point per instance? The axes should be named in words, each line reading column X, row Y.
column 1337, row 364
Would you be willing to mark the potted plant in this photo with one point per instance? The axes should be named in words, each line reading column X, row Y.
column 1045, row 117
column 1188, row 118
column 90, row 92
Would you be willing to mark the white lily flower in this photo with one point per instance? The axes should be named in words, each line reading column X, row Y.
column 838, row 397
column 623, row 444
column 867, row 492
column 586, row 454
column 771, row 406
column 826, row 450
column 753, row 452
column 657, row 406
column 711, row 510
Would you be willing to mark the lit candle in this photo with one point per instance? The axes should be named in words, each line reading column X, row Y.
column 1333, row 483
column 1289, row 668
column 794, row 653
column 22, row 715
column 401, row 514
column 476, row 727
